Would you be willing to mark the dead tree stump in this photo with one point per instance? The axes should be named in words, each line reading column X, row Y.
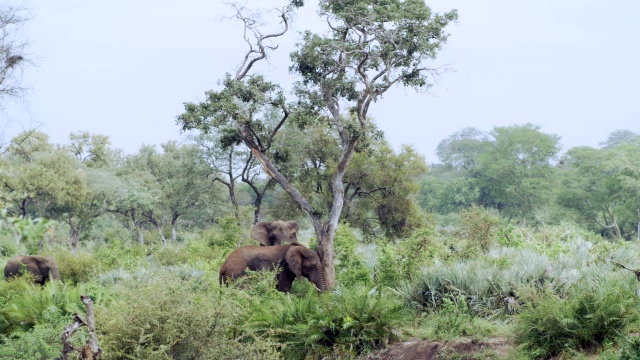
column 90, row 350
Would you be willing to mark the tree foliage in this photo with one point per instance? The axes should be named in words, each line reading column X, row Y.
column 370, row 46
column 516, row 169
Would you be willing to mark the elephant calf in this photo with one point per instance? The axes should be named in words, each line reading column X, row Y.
column 42, row 268
column 294, row 260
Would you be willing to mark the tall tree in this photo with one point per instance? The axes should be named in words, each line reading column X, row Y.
column 515, row 171
column 462, row 149
column 35, row 174
column 619, row 137
column 601, row 185
column 80, row 209
column 93, row 150
column 12, row 51
column 370, row 46
column 170, row 184
column 444, row 193
column 142, row 195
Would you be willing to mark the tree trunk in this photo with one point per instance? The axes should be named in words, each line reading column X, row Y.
column 616, row 229
column 140, row 235
column 164, row 239
column 326, row 252
column 174, row 220
column 75, row 236
column 324, row 231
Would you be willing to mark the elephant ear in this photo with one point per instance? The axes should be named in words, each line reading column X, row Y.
column 293, row 225
column 294, row 259
column 261, row 232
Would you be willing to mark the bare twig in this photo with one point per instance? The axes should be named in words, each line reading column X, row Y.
column 637, row 272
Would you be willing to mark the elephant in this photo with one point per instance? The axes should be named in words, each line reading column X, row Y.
column 42, row 268
column 269, row 233
column 294, row 260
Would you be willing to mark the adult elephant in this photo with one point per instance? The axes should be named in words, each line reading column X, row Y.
column 293, row 260
column 278, row 232
column 43, row 268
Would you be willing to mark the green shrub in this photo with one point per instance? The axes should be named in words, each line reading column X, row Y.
column 343, row 324
column 477, row 228
column 595, row 313
column 350, row 267
column 118, row 254
column 29, row 232
column 389, row 269
column 454, row 319
column 24, row 304
column 630, row 349
column 75, row 268
column 170, row 255
column 400, row 261
column 42, row 342
column 8, row 247
column 171, row 318
column 507, row 235
column 225, row 234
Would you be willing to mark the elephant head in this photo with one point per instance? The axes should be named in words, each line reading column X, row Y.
column 294, row 260
column 305, row 262
column 269, row 233
column 42, row 268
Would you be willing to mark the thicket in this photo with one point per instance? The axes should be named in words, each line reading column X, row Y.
column 551, row 290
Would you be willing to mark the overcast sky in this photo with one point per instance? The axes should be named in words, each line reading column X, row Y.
column 123, row 68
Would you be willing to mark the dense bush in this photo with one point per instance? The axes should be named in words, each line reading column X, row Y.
column 400, row 261
column 24, row 304
column 340, row 325
column 117, row 254
column 225, row 234
column 476, row 230
column 42, row 342
column 453, row 319
column 171, row 318
column 350, row 266
column 75, row 268
column 596, row 312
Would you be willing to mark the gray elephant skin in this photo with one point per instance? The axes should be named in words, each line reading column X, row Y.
column 43, row 268
column 278, row 232
column 294, row 260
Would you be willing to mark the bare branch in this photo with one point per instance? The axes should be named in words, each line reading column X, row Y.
column 277, row 127
column 254, row 55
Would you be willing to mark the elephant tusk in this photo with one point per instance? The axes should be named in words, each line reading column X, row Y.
column 317, row 288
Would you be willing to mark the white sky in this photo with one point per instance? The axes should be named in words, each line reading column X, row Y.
column 123, row 68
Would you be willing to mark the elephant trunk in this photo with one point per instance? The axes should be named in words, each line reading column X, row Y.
column 323, row 284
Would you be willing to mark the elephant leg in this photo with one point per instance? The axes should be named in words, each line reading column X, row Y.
column 285, row 280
